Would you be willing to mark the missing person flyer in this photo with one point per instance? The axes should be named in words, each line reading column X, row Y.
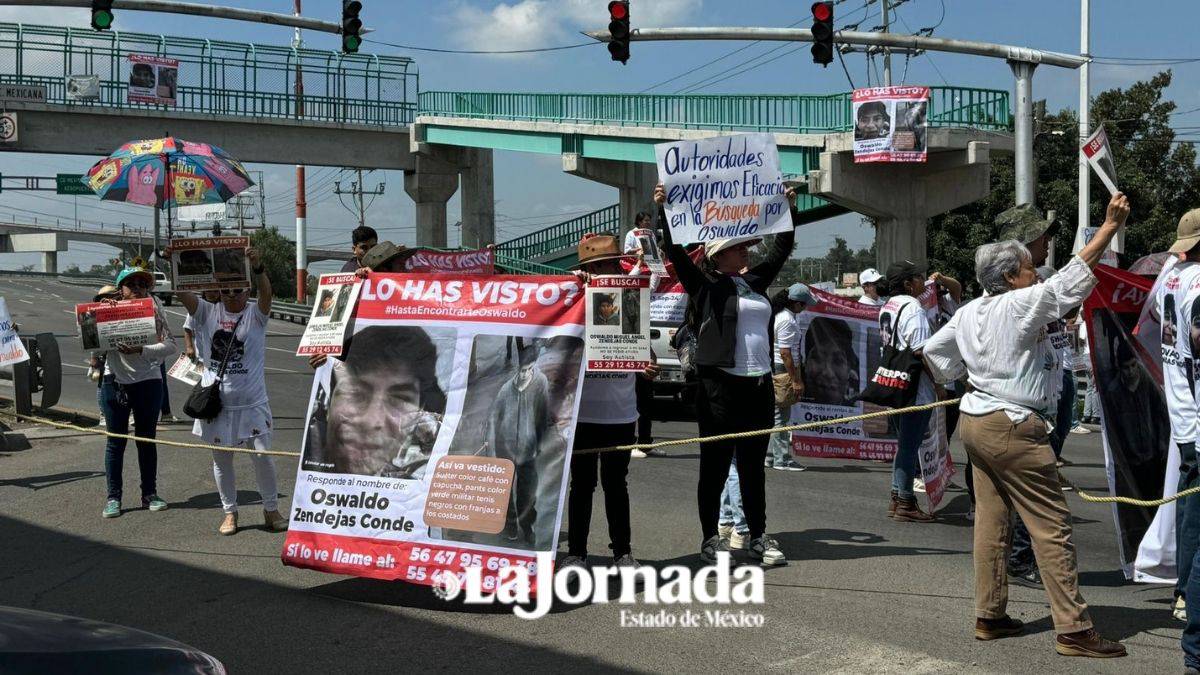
column 210, row 263
column 331, row 314
column 440, row 441
column 103, row 326
column 187, row 370
column 618, row 323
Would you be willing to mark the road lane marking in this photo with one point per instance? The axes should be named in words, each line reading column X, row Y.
column 28, row 302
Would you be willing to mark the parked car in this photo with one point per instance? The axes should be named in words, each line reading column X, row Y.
column 670, row 381
column 41, row 642
column 162, row 288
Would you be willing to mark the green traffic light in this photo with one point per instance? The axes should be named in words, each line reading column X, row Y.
column 350, row 43
column 102, row 19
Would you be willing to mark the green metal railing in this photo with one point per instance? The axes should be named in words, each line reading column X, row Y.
column 215, row 77
column 564, row 235
column 948, row 106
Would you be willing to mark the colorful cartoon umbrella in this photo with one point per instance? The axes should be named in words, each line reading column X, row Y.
column 166, row 173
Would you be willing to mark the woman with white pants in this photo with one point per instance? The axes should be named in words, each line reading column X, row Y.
column 233, row 332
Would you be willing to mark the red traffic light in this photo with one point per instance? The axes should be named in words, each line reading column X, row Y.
column 618, row 9
column 822, row 11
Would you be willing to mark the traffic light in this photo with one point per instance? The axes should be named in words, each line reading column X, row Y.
column 351, row 25
column 102, row 15
column 618, row 30
column 822, row 32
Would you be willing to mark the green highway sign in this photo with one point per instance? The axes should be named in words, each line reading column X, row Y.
column 71, row 184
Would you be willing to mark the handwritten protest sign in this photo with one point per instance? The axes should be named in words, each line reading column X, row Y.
column 723, row 187
column 12, row 350
column 210, row 263
column 618, row 325
column 441, row 440
column 326, row 329
column 103, row 326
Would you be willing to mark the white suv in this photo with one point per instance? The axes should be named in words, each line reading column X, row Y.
column 162, row 288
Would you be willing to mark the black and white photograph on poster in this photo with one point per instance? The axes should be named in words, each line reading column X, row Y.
column 618, row 326
column 520, row 401
column 152, row 79
column 329, row 322
column 647, row 247
column 210, row 263
column 386, row 401
column 890, row 124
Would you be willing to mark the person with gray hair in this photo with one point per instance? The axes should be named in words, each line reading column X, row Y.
column 999, row 341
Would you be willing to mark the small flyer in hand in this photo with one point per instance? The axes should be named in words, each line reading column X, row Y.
column 618, row 323
column 330, row 318
column 187, row 370
column 103, row 326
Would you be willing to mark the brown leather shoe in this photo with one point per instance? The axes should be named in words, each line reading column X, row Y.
column 994, row 629
column 228, row 524
column 1088, row 643
column 907, row 511
column 892, row 505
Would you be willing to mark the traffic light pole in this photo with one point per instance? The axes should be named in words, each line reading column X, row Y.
column 1023, row 131
column 1085, row 101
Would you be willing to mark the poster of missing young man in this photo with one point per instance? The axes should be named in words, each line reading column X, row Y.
column 210, row 264
column 441, row 439
column 839, row 348
column 325, row 332
column 618, row 325
column 890, row 124
column 152, row 79
column 104, row 326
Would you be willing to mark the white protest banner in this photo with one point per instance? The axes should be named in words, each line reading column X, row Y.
column 103, row 326
column 618, row 326
column 331, row 313
column 152, row 79
column 186, row 370
column 441, row 440
column 210, row 263
column 890, row 124
column 723, row 187
column 840, row 344
column 482, row 261
column 1098, row 154
column 12, row 350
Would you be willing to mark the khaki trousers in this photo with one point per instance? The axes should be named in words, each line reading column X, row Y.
column 1014, row 468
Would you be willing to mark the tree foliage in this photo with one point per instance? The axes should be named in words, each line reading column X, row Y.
column 1159, row 175
column 279, row 259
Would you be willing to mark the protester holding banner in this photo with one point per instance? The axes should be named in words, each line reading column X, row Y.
column 869, row 280
column 903, row 324
column 732, row 323
column 608, row 410
column 785, row 305
column 132, row 383
column 362, row 239
column 234, row 337
column 1000, row 342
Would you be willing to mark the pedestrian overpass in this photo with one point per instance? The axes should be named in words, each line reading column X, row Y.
column 366, row 111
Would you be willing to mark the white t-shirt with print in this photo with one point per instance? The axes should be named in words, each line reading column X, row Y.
column 912, row 333
column 1176, row 301
column 244, row 384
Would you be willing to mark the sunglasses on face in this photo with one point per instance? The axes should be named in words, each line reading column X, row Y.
column 138, row 283
column 232, row 292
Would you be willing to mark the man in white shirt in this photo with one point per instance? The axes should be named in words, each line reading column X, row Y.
column 869, row 280
column 1000, row 341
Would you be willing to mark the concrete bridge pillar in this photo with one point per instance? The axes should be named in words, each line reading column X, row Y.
column 902, row 197
column 478, row 199
column 50, row 262
column 634, row 181
column 430, row 191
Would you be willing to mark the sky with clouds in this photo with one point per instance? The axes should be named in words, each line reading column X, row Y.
column 531, row 190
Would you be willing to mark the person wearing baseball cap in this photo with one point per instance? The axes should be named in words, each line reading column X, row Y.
column 1025, row 224
column 786, row 304
column 869, row 280
column 1000, row 342
column 731, row 318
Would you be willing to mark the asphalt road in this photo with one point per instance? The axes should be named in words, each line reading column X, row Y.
column 861, row 593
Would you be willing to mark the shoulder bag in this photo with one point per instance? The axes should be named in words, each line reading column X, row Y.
column 204, row 403
column 894, row 384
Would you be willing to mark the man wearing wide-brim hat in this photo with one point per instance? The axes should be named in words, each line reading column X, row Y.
column 386, row 257
column 1025, row 224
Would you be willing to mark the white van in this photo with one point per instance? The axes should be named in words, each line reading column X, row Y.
column 162, row 288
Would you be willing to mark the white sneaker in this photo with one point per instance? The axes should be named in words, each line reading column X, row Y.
column 737, row 540
column 638, row 454
column 766, row 550
column 918, row 485
column 1080, row 429
column 1179, row 611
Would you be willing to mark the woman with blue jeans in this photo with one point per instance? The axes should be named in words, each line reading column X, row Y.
column 785, row 305
column 904, row 320
column 132, row 383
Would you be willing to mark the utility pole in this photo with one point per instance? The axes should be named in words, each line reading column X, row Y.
column 1085, row 102
column 887, row 52
column 357, row 193
column 301, row 203
column 1023, row 141
column 262, row 201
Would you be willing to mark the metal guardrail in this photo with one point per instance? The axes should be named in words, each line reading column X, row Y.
column 215, row 77
column 948, row 106
column 562, row 236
